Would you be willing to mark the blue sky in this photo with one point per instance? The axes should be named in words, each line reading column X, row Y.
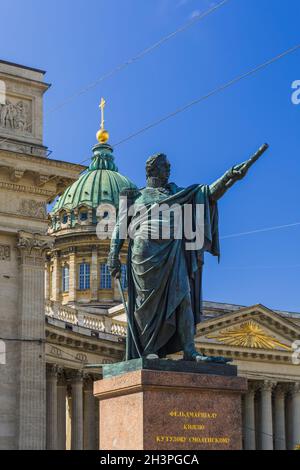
column 79, row 41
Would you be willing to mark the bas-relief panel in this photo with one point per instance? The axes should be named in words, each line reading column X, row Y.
column 16, row 115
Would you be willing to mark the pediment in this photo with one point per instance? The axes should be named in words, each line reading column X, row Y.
column 251, row 328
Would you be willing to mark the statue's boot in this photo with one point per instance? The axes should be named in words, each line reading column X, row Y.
column 152, row 356
column 198, row 357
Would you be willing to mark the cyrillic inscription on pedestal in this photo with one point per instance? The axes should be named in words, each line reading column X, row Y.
column 163, row 410
column 194, row 427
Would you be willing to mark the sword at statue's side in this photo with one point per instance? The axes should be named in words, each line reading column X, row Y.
column 127, row 314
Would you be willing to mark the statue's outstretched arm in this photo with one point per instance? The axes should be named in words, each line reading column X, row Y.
column 219, row 187
column 238, row 172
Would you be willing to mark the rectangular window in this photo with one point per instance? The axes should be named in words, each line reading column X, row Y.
column 84, row 276
column 105, row 277
column 65, row 279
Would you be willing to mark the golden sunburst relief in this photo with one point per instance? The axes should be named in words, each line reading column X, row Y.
column 248, row 335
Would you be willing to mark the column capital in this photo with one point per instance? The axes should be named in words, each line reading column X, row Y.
column 253, row 386
column 61, row 377
column 294, row 388
column 280, row 390
column 76, row 376
column 33, row 243
column 51, row 371
column 267, row 386
column 88, row 382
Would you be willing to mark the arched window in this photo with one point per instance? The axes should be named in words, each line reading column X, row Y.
column 65, row 278
column 105, row 277
column 83, row 216
column 124, row 283
column 84, row 276
column 2, row 353
column 64, row 218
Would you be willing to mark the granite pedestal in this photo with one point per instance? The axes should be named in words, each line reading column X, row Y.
column 170, row 405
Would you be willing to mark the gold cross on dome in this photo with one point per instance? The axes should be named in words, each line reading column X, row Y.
column 102, row 106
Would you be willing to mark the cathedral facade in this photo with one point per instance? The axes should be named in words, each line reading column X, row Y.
column 61, row 312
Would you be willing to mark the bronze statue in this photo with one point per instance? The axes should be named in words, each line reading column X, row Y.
column 164, row 277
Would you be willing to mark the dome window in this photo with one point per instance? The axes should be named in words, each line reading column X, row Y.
column 84, row 276
column 106, row 215
column 83, row 216
column 105, row 277
column 64, row 218
column 65, row 278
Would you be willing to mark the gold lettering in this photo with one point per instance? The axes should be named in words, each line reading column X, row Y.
column 193, row 439
column 192, row 414
column 180, row 439
column 193, row 427
column 209, row 440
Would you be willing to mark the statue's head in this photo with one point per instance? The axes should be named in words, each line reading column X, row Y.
column 158, row 166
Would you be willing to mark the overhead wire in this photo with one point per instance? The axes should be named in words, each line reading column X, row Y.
column 195, row 19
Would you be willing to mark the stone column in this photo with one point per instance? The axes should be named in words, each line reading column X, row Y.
column 47, row 281
column 77, row 411
column 69, row 419
column 279, row 418
column 295, row 408
column 249, row 417
column 31, row 378
column 61, row 410
column 94, row 274
column 51, row 406
column 56, row 277
column 266, row 428
column 89, row 415
column 289, row 420
column 72, row 275
column 97, row 423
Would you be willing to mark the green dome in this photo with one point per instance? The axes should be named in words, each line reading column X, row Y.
column 101, row 183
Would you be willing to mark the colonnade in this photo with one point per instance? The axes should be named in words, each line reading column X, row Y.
column 72, row 410
column 271, row 415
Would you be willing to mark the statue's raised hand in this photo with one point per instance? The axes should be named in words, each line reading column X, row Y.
column 239, row 171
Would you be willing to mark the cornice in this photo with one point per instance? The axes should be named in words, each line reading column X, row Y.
column 62, row 337
column 26, row 81
column 26, row 189
column 236, row 353
column 41, row 160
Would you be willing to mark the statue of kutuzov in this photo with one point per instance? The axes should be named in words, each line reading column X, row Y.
column 164, row 269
